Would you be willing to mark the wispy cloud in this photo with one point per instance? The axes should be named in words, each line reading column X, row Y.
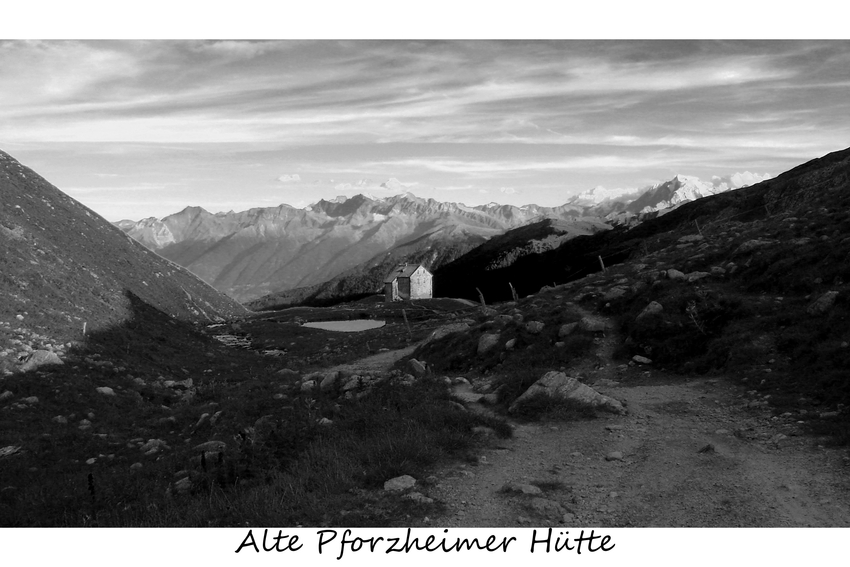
column 542, row 117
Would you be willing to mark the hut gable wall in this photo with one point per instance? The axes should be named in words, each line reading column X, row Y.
column 420, row 284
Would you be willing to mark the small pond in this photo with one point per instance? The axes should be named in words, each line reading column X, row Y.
column 347, row 326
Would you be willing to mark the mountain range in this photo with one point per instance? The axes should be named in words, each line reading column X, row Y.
column 344, row 245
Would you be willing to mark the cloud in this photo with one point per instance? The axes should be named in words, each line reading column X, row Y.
column 289, row 178
column 508, row 190
column 738, row 180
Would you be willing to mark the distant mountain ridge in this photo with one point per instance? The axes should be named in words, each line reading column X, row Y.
column 260, row 251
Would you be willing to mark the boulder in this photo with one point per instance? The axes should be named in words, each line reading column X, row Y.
column 534, row 327
column 467, row 397
column 567, row 329
column 754, row 244
column 447, row 330
column 615, row 293
column 105, row 390
column 487, row 341
column 592, row 325
column 675, row 274
column 510, row 344
column 417, row 367
column 286, row 373
column 691, row 238
column 40, row 358
column 400, row 483
column 654, row 308
column 641, row 359
column 823, row 303
column 329, row 380
column 559, row 385
column 211, row 446
column 696, row 276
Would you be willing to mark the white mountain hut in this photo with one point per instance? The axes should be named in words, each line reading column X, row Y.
column 408, row 281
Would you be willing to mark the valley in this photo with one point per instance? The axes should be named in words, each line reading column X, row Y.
column 701, row 365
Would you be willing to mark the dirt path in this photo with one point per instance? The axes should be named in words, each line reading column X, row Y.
column 377, row 362
column 692, row 455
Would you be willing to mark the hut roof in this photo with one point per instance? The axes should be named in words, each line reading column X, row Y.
column 401, row 271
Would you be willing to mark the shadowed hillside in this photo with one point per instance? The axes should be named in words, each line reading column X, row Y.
column 63, row 268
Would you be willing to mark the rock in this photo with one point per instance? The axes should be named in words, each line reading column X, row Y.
column 418, row 497
column 417, row 368
column 9, row 450
column 6, row 395
column 183, row 485
column 559, row 385
column 654, row 308
column 754, row 244
column 567, row 330
column 823, row 303
column 399, row 483
column 329, row 380
column 510, row 344
column 592, row 325
column 308, row 385
column 776, row 439
column 40, row 358
column 641, row 359
column 288, row 374
column 613, row 428
column 105, row 390
column 153, row 446
column 325, row 422
column 60, row 419
column 205, row 417
column 483, row 431
column 136, row 466
column 717, row 271
column 467, row 397
column 709, row 448
column 675, row 274
column 447, row 330
column 491, row 399
column 546, row 508
column 615, row 293
column 534, row 327
column 211, row 446
column 30, row 400
column 614, row 456
column 216, row 416
column 91, row 461
column 521, row 488
column 487, row 341
column 691, row 238
column 696, row 276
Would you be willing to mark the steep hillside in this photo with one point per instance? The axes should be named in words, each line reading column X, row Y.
column 578, row 257
column 264, row 251
column 63, row 268
column 432, row 251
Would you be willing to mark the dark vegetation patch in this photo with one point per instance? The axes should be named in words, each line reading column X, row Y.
column 515, row 369
column 280, row 466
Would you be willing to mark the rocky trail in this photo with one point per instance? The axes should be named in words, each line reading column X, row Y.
column 689, row 452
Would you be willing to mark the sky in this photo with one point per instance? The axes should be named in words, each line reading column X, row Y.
column 139, row 128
